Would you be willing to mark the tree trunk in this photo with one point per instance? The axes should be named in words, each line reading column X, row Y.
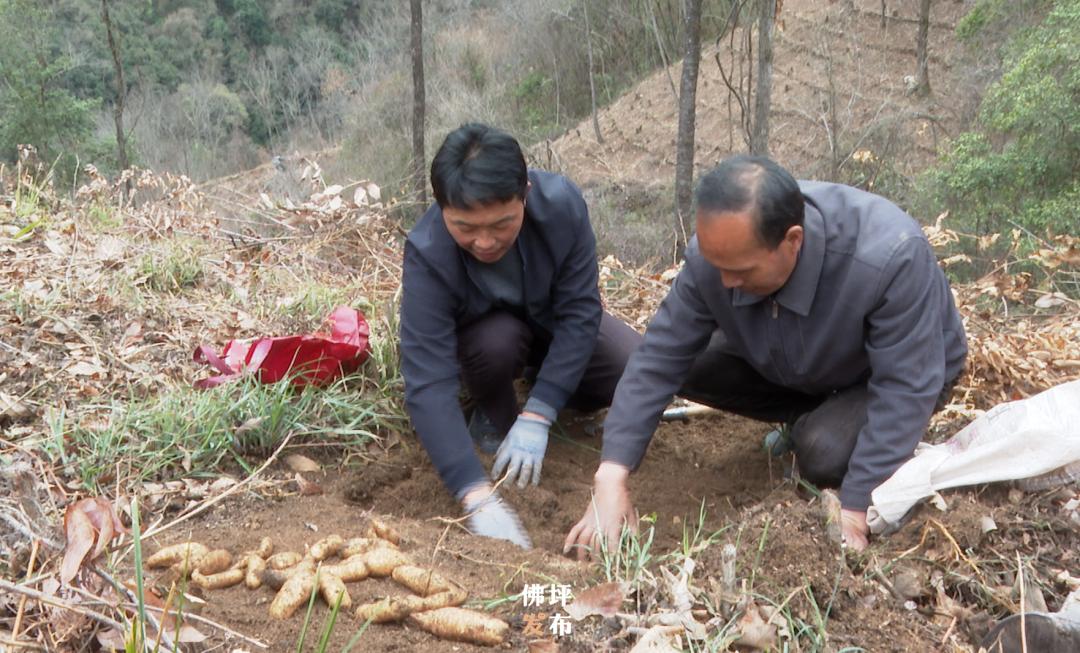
column 419, row 159
column 592, row 83
column 759, row 138
column 684, row 149
column 121, row 89
column 922, row 54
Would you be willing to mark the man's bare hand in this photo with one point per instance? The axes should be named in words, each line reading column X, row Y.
column 608, row 511
column 855, row 531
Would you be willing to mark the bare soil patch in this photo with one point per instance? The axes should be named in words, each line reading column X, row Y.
column 961, row 575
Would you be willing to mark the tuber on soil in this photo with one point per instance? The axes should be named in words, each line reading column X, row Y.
column 296, row 590
column 253, row 569
column 418, row 580
column 392, row 608
column 275, row 578
column 380, row 529
column 187, row 553
column 358, row 545
column 218, row 581
column 396, row 608
column 462, row 625
column 283, row 560
column 326, row 547
column 214, row 562
column 266, row 547
column 382, row 561
column 349, row 570
column 330, row 586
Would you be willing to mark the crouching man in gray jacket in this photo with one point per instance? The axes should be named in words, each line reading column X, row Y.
column 813, row 304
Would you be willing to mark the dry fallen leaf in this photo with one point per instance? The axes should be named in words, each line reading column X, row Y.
column 299, row 463
column 91, row 368
column 89, row 524
column 306, row 487
column 11, row 407
column 754, row 631
column 658, row 639
column 605, row 600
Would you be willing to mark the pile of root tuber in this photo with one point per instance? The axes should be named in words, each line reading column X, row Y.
column 327, row 566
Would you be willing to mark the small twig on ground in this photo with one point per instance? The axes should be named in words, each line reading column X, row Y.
column 1023, row 606
column 32, row 646
column 884, row 580
column 55, row 602
column 120, row 587
column 201, row 619
column 22, row 601
column 215, row 500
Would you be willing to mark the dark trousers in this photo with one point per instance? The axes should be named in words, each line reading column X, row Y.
column 496, row 349
column 824, row 428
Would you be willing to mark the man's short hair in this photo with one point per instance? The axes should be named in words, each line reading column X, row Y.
column 756, row 184
column 478, row 165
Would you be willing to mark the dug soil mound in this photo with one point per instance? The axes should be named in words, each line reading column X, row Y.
column 939, row 582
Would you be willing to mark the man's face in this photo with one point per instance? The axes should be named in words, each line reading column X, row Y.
column 729, row 242
column 488, row 231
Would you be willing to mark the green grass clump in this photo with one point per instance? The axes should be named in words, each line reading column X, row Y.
column 193, row 433
column 171, row 270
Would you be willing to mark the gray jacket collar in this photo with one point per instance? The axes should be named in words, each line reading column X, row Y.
column 797, row 295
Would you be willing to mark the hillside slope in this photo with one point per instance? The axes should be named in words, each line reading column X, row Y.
column 838, row 88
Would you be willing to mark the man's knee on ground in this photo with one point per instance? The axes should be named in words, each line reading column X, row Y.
column 821, row 456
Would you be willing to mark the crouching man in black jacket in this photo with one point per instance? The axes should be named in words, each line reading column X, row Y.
column 500, row 275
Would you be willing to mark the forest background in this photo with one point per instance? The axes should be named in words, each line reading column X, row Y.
column 213, row 87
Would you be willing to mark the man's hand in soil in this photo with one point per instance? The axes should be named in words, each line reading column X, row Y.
column 487, row 515
column 521, row 454
column 854, row 529
column 608, row 511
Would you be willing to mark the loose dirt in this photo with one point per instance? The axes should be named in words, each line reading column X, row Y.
column 715, row 461
column 959, row 573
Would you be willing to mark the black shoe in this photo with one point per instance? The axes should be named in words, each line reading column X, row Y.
column 484, row 434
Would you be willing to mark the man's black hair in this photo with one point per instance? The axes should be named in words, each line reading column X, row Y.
column 756, row 184
column 478, row 165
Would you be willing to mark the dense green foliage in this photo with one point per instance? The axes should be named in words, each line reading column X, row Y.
column 1019, row 165
column 218, row 85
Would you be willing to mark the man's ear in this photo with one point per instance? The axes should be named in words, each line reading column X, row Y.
column 794, row 237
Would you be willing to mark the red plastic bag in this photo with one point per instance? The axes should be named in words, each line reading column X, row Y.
column 315, row 359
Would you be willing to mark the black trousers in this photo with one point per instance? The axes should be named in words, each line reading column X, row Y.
column 824, row 428
column 496, row 349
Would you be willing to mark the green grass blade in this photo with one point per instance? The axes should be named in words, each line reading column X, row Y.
column 136, row 535
column 355, row 638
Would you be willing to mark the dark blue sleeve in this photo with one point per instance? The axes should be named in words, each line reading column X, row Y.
column 432, row 375
column 577, row 309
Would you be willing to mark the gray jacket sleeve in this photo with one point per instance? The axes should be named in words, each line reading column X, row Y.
column 677, row 334
column 906, row 349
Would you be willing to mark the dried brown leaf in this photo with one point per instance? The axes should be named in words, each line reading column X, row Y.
column 306, row 487
column 754, row 631
column 605, row 600
column 79, row 534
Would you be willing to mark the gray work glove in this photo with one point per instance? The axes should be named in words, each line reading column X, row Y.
column 521, row 454
column 491, row 517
